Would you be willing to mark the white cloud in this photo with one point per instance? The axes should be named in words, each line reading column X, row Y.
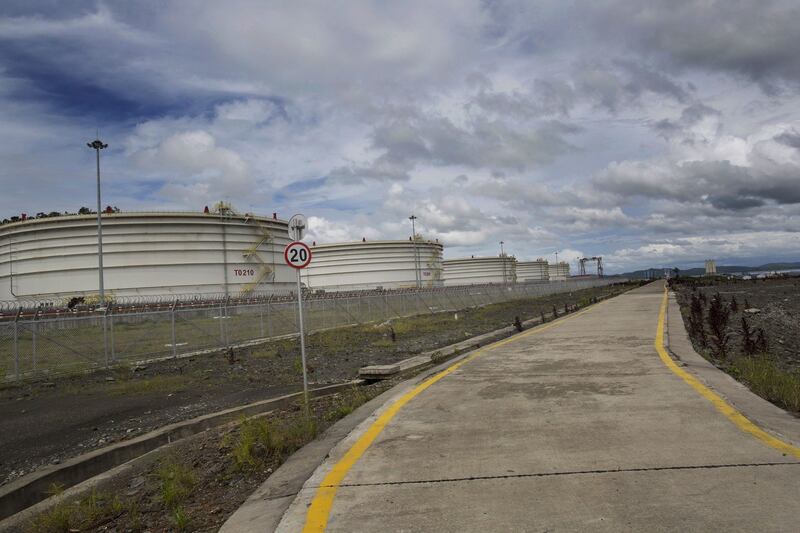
column 488, row 120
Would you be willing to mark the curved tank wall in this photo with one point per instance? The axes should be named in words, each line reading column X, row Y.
column 559, row 271
column 538, row 270
column 144, row 254
column 477, row 270
column 373, row 264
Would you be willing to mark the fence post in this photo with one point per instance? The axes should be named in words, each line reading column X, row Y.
column 111, row 333
column 224, row 325
column 16, row 343
column 172, row 323
column 261, row 321
column 33, row 337
column 269, row 316
column 221, row 326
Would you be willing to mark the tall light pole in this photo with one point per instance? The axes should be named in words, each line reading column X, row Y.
column 557, row 269
column 503, row 262
column 413, row 218
column 98, row 145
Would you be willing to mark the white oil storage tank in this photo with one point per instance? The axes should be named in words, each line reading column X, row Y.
column 144, row 254
column 559, row 271
column 538, row 270
column 387, row 264
column 478, row 270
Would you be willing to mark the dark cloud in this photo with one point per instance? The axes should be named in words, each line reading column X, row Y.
column 757, row 40
column 789, row 138
column 690, row 116
column 721, row 184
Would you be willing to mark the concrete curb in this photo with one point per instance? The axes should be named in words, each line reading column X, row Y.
column 761, row 412
column 33, row 488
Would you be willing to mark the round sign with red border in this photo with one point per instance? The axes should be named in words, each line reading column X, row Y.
column 297, row 254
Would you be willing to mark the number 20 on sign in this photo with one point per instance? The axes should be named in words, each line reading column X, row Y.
column 297, row 255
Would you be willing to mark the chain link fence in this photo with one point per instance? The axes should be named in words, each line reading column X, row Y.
column 42, row 346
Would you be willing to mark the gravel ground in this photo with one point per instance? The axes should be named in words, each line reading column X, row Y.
column 211, row 483
column 46, row 422
column 774, row 307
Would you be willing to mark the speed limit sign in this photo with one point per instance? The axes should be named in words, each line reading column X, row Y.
column 297, row 255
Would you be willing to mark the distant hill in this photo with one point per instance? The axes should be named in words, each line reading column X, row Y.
column 721, row 269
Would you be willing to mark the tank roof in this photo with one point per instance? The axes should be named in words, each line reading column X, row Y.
column 385, row 241
column 134, row 214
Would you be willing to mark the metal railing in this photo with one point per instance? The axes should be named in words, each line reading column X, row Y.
column 44, row 344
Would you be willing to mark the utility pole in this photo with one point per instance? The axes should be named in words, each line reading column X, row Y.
column 413, row 218
column 503, row 259
column 98, row 145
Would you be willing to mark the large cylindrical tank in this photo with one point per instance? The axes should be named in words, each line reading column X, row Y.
column 559, row 271
column 144, row 254
column 538, row 270
column 478, row 270
column 374, row 264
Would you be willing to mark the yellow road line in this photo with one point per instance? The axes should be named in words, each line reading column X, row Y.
column 722, row 406
column 320, row 509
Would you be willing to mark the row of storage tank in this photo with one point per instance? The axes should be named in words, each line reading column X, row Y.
column 230, row 254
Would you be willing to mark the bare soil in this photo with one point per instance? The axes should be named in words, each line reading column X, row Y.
column 212, row 480
column 43, row 423
column 774, row 308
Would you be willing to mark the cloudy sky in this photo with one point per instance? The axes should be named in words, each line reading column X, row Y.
column 652, row 133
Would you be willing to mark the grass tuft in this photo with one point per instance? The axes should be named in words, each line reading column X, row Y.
column 764, row 378
column 176, row 480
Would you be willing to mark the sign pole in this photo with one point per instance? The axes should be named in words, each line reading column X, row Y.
column 302, row 341
column 298, row 255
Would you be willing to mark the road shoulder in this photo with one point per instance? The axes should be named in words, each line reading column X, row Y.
column 764, row 414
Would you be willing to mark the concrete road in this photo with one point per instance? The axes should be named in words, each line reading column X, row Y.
column 579, row 427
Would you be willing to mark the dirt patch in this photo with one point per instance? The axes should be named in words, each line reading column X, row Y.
column 771, row 305
column 46, row 422
column 748, row 328
column 196, row 484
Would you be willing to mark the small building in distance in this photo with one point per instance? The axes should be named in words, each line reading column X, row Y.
column 711, row 267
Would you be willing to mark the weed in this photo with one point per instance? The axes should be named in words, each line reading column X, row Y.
column 177, row 481
column 181, row 518
column 383, row 343
column 347, row 404
column 75, row 515
column 696, row 320
column 259, row 440
column 254, row 434
column 59, row 518
column 748, row 344
column 437, row 357
column 718, row 316
column 768, row 381
column 298, row 366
